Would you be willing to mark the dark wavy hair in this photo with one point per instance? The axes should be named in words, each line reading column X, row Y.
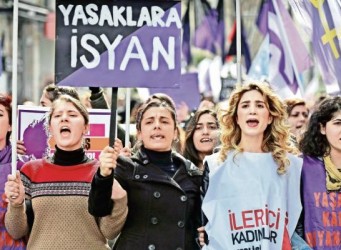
column 190, row 152
column 6, row 101
column 313, row 142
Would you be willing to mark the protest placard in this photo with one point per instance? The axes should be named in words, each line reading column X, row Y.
column 118, row 43
column 32, row 129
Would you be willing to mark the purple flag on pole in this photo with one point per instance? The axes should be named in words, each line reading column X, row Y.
column 325, row 18
column 209, row 22
column 281, row 67
column 186, row 38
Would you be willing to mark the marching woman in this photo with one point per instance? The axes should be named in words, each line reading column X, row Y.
column 58, row 188
column 202, row 136
column 253, row 195
column 321, row 176
column 163, row 187
column 6, row 241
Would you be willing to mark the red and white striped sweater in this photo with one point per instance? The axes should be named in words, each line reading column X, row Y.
column 59, row 196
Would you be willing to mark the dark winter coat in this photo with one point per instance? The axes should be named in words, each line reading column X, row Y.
column 164, row 212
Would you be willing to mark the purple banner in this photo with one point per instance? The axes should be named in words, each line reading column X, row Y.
column 186, row 38
column 118, row 43
column 280, row 27
column 326, row 22
column 209, row 27
column 187, row 93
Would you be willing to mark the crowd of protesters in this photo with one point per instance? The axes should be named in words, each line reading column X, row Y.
column 260, row 166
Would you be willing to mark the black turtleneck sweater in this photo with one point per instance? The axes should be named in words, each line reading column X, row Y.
column 69, row 158
column 163, row 160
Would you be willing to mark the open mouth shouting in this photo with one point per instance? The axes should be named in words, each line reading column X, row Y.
column 64, row 130
column 252, row 122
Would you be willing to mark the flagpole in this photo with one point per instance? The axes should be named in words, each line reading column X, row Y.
column 286, row 42
column 238, row 41
column 127, row 118
column 14, row 85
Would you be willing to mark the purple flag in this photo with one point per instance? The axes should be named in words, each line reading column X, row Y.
column 209, row 23
column 281, row 66
column 325, row 18
column 187, row 93
column 186, row 38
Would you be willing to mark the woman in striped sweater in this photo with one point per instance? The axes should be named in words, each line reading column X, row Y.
column 59, row 187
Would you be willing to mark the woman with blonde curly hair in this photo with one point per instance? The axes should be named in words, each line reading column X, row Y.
column 252, row 200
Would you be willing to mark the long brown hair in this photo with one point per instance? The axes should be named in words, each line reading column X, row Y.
column 190, row 152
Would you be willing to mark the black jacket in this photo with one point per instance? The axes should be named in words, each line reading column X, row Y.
column 164, row 212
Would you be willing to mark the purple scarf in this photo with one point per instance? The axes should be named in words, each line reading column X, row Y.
column 321, row 208
column 6, row 154
column 6, row 242
column 5, row 165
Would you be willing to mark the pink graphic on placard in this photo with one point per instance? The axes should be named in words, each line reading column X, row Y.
column 97, row 130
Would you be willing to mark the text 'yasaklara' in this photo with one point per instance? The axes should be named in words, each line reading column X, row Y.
column 93, row 14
